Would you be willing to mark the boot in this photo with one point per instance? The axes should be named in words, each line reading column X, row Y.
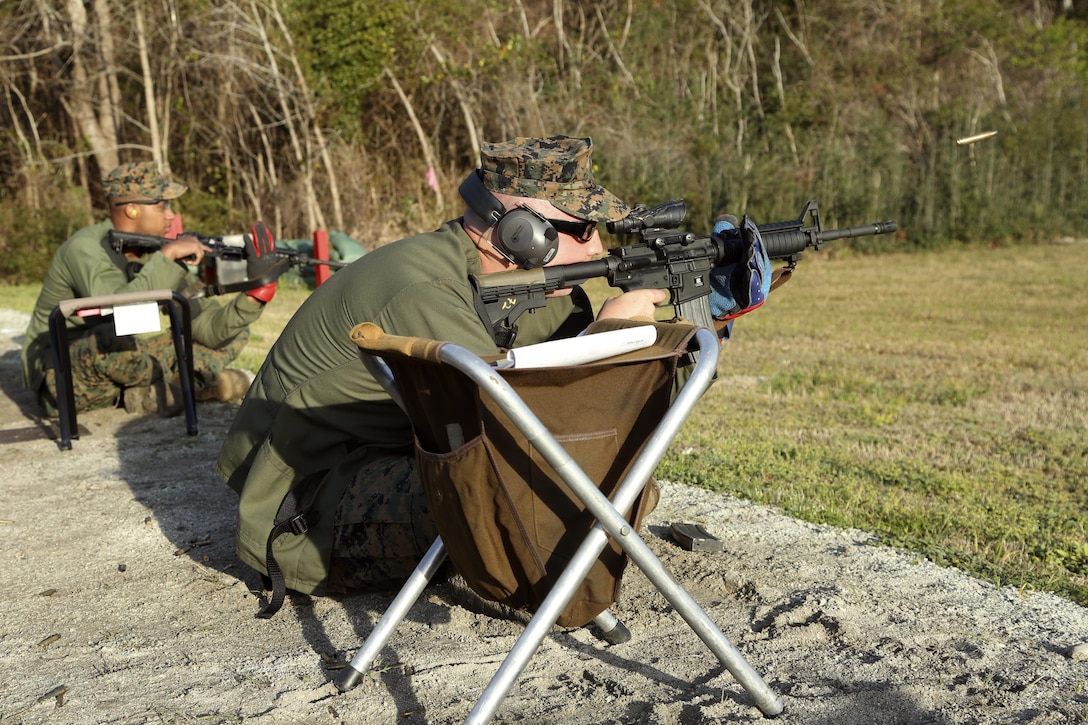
column 161, row 399
column 228, row 385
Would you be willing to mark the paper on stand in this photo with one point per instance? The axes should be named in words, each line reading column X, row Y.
column 582, row 349
column 137, row 318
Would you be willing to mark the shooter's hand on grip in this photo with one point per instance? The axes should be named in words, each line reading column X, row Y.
column 187, row 249
column 636, row 304
column 262, row 262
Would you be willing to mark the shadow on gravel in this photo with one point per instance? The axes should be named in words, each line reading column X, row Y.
column 20, row 416
column 173, row 475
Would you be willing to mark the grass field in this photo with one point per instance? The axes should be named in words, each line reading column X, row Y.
column 939, row 400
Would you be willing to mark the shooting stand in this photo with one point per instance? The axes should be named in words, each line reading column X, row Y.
column 180, row 327
column 496, row 475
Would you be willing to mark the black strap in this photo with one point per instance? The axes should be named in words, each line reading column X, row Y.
column 270, row 276
column 129, row 267
column 290, row 519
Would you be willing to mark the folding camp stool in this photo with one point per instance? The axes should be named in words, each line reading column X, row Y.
column 181, row 328
column 397, row 362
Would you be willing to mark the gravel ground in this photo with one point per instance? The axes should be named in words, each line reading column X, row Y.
column 122, row 602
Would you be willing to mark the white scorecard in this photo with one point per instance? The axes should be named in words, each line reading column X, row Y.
column 137, row 318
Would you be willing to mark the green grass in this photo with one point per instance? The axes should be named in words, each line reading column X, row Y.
column 938, row 400
column 19, row 297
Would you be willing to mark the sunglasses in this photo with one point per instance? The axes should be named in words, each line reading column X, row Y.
column 580, row 230
column 165, row 203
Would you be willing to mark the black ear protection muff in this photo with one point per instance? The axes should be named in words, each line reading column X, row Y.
column 521, row 235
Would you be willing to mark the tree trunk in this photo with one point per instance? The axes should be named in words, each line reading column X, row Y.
column 88, row 102
column 149, row 92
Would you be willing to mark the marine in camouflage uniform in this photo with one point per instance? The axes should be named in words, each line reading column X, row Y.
column 105, row 365
column 383, row 526
column 314, row 416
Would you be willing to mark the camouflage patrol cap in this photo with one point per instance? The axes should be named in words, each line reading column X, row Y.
column 557, row 169
column 141, row 180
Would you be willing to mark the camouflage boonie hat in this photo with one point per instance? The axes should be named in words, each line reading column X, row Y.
column 556, row 169
column 141, row 180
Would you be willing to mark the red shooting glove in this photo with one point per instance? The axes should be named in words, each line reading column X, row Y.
column 262, row 262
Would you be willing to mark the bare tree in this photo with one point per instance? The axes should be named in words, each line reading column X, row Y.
column 149, row 89
column 93, row 89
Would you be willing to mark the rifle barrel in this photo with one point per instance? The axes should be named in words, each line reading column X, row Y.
column 864, row 230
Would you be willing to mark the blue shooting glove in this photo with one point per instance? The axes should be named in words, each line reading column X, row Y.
column 740, row 287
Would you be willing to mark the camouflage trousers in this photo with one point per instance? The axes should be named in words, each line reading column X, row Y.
column 383, row 526
column 103, row 364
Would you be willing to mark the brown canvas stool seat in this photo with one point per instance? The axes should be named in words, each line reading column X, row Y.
column 537, row 479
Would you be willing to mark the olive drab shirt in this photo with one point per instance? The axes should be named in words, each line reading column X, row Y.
column 314, row 410
column 82, row 267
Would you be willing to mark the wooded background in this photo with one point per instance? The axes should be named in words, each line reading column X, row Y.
column 330, row 113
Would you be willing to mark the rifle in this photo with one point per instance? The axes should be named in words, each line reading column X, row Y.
column 224, row 266
column 666, row 258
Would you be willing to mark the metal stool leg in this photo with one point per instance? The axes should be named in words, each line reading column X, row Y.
column 397, row 611
column 609, row 519
column 62, row 371
column 183, row 351
column 613, row 630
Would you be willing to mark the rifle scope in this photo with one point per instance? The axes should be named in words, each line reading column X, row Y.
column 667, row 215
